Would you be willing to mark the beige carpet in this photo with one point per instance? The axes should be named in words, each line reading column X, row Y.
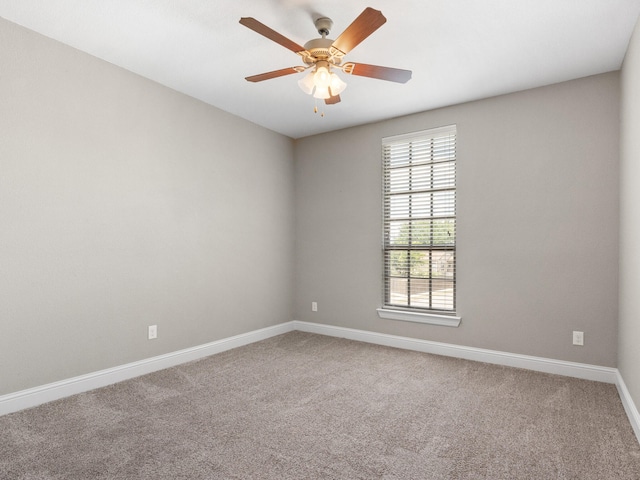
column 303, row 406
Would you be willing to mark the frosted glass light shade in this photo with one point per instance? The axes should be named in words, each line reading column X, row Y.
column 306, row 84
column 337, row 85
column 322, row 79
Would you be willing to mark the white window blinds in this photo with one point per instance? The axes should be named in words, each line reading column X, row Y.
column 419, row 181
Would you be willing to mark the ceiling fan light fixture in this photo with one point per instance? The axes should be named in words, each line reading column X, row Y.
column 322, row 83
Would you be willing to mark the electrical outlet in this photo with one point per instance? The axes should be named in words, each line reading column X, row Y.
column 578, row 338
column 314, row 306
column 153, row 332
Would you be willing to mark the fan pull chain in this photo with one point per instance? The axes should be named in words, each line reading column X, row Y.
column 315, row 109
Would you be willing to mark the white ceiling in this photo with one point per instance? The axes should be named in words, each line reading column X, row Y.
column 458, row 50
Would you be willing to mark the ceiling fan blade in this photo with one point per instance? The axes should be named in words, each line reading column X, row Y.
column 375, row 71
column 363, row 26
column 271, row 34
column 332, row 100
column 274, row 74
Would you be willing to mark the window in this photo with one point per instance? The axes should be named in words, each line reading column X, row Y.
column 419, row 180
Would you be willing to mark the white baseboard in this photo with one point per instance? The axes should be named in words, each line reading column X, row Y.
column 629, row 405
column 64, row 388
column 54, row 391
column 538, row 364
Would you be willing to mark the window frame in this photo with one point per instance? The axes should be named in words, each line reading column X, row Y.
column 442, row 198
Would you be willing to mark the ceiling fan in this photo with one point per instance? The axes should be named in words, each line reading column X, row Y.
column 322, row 55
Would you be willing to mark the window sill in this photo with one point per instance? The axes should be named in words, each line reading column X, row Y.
column 428, row 318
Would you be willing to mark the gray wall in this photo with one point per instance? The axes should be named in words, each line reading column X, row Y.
column 537, row 222
column 125, row 204
column 629, row 322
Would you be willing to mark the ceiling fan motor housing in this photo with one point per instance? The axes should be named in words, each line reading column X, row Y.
column 320, row 49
